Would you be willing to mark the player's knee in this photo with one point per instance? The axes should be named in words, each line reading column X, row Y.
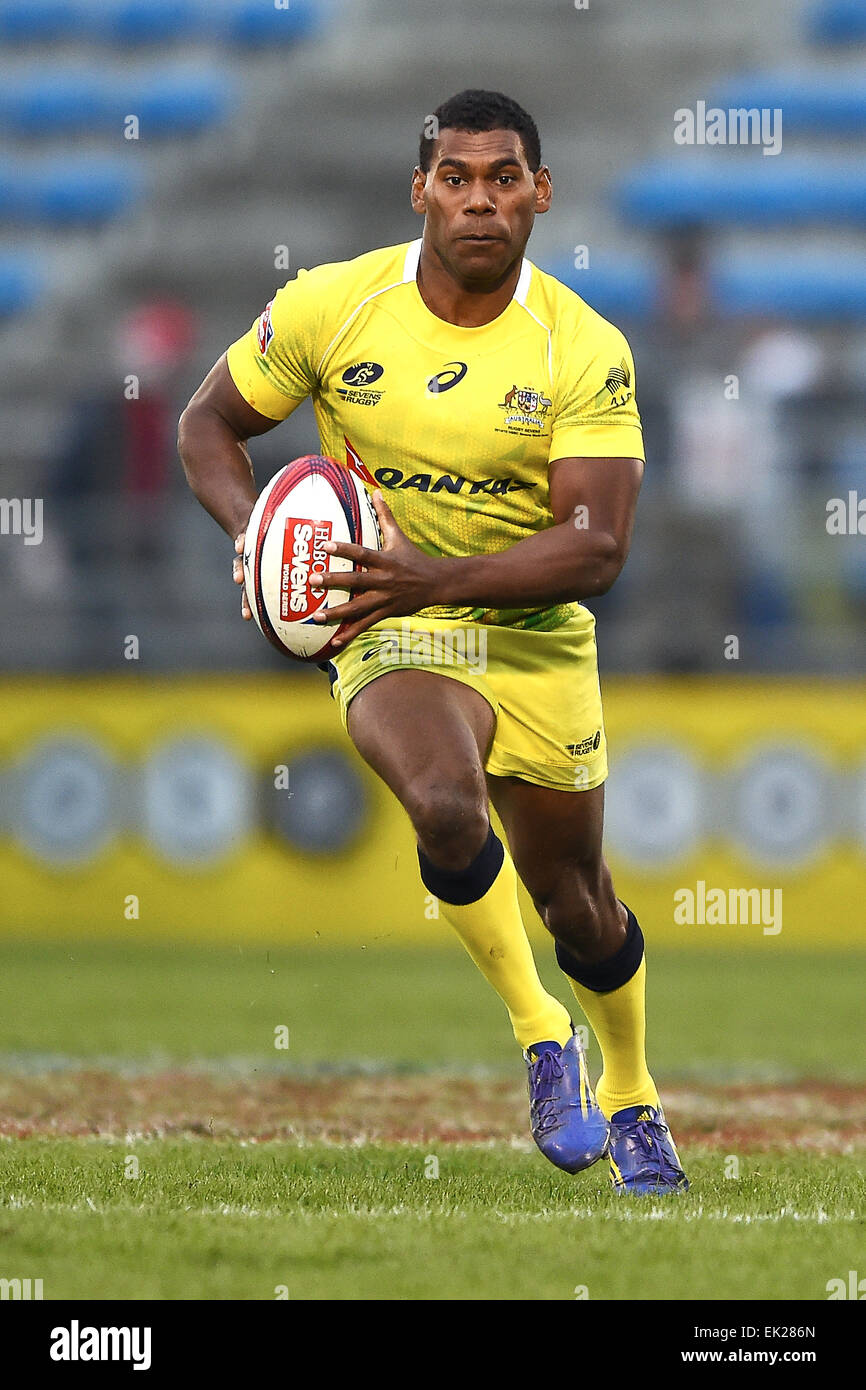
column 450, row 820
column 571, row 907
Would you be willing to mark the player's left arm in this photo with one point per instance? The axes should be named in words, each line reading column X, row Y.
column 593, row 503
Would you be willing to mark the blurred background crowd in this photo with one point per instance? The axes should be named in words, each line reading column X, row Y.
column 166, row 164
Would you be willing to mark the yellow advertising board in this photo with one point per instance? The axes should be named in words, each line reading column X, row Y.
column 234, row 808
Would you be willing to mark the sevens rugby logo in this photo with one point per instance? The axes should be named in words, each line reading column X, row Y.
column 586, row 745
column 450, row 375
column 358, row 379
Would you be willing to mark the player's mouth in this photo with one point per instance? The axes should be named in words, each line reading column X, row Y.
column 481, row 241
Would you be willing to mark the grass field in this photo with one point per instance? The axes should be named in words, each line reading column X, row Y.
column 156, row 1143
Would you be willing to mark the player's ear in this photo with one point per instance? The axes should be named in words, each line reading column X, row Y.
column 543, row 189
column 416, row 195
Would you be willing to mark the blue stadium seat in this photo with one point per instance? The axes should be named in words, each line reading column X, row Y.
column 801, row 288
column 624, row 287
column 177, row 103
column 748, row 188
column 68, row 192
column 808, row 101
column 143, row 22
column 20, row 283
column 838, row 22
column 47, row 102
column 35, row 21
column 14, row 205
column 146, row 21
column 259, row 22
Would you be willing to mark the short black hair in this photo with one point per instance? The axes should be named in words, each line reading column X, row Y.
column 476, row 110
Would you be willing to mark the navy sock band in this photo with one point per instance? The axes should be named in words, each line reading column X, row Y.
column 465, row 885
column 610, row 974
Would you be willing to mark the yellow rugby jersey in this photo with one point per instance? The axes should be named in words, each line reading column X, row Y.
column 456, row 425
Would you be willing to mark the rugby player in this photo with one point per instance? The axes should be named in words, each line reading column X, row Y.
column 497, row 411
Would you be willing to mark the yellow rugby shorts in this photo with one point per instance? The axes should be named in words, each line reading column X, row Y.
column 542, row 686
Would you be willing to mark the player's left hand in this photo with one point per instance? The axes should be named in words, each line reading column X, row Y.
column 395, row 581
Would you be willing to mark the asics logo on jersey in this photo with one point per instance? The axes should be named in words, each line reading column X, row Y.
column 448, row 376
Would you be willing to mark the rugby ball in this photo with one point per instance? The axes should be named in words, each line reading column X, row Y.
column 310, row 501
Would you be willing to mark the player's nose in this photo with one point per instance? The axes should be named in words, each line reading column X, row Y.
column 479, row 198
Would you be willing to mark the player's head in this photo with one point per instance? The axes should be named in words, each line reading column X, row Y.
column 479, row 183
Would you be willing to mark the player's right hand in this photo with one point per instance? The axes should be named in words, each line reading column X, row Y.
column 238, row 574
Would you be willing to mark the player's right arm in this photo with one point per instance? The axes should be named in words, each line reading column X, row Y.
column 259, row 381
column 211, row 441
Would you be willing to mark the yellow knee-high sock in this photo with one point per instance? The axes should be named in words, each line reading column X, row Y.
column 493, row 933
column 618, row 1020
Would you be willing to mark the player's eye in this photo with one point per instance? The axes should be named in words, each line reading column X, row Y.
column 506, row 178
column 453, row 179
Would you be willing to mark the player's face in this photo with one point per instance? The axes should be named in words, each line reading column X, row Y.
column 479, row 199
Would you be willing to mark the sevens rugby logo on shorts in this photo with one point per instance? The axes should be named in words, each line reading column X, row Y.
column 586, row 745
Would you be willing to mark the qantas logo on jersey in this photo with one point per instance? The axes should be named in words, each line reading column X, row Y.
column 448, row 482
column 265, row 329
column 356, row 465
column 429, row 482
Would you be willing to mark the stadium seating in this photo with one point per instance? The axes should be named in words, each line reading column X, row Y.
column 810, row 102
column 71, row 192
column 619, row 288
column 838, row 22
column 729, row 189
column 142, row 23
column 801, row 287
column 167, row 103
column 255, row 24
column 20, row 283
column 805, row 287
